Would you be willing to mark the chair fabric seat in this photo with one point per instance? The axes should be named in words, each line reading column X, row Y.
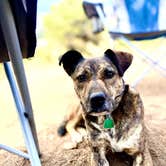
column 24, row 13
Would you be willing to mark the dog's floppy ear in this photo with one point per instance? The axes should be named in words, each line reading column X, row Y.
column 120, row 59
column 70, row 60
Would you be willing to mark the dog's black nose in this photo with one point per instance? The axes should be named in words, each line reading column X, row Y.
column 97, row 100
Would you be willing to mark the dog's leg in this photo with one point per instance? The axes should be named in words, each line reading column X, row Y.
column 71, row 127
column 76, row 135
column 143, row 159
column 138, row 161
column 71, row 120
column 98, row 157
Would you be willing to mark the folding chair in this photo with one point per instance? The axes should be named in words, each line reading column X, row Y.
column 130, row 20
column 17, row 40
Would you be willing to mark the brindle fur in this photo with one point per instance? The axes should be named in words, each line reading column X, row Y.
column 122, row 102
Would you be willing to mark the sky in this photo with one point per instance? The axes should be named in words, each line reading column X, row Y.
column 43, row 6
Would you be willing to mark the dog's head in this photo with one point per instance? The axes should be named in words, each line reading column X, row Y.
column 98, row 81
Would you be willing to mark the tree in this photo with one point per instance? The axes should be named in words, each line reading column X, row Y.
column 66, row 24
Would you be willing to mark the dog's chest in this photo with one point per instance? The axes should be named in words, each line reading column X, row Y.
column 117, row 140
column 97, row 131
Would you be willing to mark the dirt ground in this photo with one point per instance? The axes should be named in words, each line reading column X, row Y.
column 51, row 92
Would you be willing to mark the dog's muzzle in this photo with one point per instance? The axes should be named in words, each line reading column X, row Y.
column 98, row 102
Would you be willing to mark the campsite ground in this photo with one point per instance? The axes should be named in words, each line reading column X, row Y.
column 51, row 92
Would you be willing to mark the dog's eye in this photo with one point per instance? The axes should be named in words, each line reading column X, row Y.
column 82, row 78
column 108, row 74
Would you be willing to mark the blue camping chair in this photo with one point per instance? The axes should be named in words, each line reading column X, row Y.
column 17, row 40
column 130, row 20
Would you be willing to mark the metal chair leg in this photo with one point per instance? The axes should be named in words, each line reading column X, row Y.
column 14, row 151
column 29, row 140
column 15, row 55
column 151, row 62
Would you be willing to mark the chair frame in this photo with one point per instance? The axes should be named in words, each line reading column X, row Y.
column 19, row 86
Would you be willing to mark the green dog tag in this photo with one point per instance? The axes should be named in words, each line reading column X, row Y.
column 108, row 123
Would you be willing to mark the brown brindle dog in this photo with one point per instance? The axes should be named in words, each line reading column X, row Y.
column 99, row 85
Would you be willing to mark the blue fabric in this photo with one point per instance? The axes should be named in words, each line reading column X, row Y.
column 143, row 15
column 133, row 17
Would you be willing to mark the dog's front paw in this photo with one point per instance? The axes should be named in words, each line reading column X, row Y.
column 100, row 162
column 99, row 159
column 69, row 145
column 104, row 163
column 138, row 160
column 76, row 137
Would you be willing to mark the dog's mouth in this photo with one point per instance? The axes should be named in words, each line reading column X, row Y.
column 105, row 110
column 104, row 113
